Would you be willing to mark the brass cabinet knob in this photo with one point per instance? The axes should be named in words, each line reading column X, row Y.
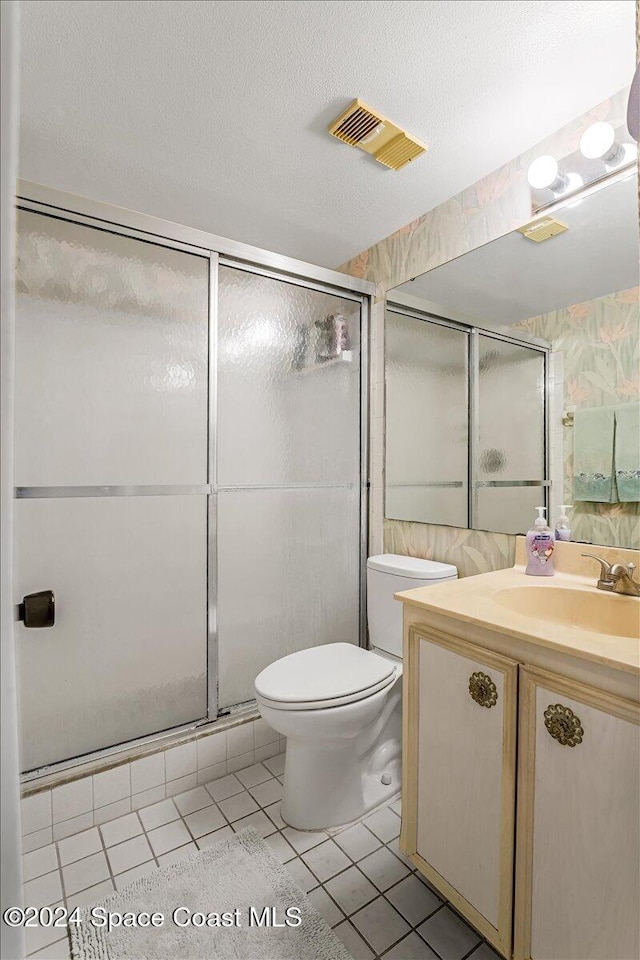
column 482, row 689
column 563, row 725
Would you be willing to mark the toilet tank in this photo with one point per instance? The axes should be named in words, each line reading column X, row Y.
column 388, row 574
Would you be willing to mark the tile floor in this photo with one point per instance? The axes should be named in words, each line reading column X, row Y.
column 356, row 876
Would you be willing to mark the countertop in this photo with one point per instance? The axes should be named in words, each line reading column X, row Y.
column 471, row 600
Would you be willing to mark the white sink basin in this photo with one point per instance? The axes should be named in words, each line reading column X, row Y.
column 607, row 613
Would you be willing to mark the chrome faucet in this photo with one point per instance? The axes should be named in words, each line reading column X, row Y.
column 615, row 577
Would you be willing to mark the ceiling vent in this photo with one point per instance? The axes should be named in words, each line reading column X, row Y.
column 544, row 229
column 360, row 126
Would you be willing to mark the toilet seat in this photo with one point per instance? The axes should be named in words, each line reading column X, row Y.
column 321, row 677
column 329, row 702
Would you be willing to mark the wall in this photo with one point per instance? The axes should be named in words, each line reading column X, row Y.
column 599, row 342
column 491, row 208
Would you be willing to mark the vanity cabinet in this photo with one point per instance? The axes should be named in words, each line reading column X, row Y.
column 576, row 845
column 459, row 775
column 578, row 831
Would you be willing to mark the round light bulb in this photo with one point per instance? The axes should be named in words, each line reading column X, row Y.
column 542, row 172
column 597, row 140
column 574, row 182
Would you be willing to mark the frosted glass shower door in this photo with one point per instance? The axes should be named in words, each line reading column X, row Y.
column 427, row 429
column 111, row 470
column 288, row 476
column 510, row 467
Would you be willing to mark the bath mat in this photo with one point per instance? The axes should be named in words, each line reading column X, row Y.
column 237, row 883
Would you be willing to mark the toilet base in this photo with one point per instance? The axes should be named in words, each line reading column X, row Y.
column 298, row 814
column 328, row 783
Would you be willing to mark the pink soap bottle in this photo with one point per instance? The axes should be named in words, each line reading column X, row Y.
column 540, row 546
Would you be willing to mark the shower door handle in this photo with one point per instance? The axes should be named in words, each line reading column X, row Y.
column 38, row 609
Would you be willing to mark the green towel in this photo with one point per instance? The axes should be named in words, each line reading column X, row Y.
column 594, row 430
column 627, row 452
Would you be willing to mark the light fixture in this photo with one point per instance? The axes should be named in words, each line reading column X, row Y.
column 598, row 142
column 545, row 174
column 603, row 157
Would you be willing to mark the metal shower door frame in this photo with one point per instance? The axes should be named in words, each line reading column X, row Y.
column 219, row 251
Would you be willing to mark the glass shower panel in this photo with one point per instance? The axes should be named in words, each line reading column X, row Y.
column 111, row 396
column 288, row 577
column 426, row 373
column 127, row 655
column 111, row 350
column 510, row 461
column 288, row 474
column 284, row 416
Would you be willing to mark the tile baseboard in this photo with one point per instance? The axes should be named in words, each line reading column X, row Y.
column 54, row 810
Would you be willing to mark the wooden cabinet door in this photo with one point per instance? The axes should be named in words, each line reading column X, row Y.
column 578, row 833
column 459, row 776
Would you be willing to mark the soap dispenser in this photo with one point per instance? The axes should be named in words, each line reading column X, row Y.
column 563, row 530
column 540, row 546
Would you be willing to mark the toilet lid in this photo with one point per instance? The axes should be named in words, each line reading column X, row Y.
column 323, row 673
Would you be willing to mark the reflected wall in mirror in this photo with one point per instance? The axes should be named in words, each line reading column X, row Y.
column 576, row 292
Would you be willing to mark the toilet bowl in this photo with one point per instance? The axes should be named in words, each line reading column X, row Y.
column 340, row 707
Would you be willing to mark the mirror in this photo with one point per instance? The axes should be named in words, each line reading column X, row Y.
column 512, row 379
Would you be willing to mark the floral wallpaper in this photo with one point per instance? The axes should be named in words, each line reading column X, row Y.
column 471, row 551
column 491, row 208
column 600, row 343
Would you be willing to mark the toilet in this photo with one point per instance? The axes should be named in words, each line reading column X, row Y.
column 340, row 706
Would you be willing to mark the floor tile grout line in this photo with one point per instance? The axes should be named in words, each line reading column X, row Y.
column 467, row 956
column 349, row 857
column 320, row 885
column 423, row 937
column 300, row 856
column 453, row 910
column 397, row 909
column 64, row 896
column 375, row 953
column 340, row 872
column 380, row 956
column 413, row 928
column 105, row 848
column 379, row 893
column 62, row 883
column 229, row 823
column 45, row 872
column 106, row 855
column 147, row 833
column 335, row 903
column 143, row 834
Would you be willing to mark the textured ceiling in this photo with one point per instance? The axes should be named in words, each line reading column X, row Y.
column 214, row 114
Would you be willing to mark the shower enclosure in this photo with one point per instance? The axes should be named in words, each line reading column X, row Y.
column 190, row 472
